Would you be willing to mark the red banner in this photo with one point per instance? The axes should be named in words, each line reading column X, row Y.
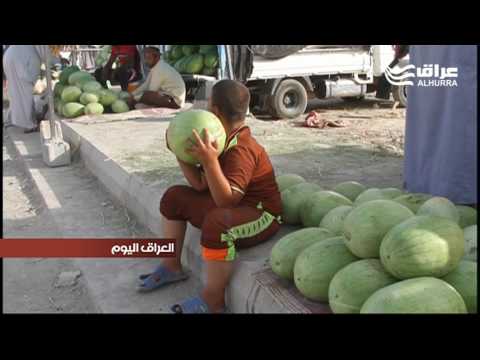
column 87, row 248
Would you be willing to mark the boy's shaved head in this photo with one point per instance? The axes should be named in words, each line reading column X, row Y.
column 232, row 99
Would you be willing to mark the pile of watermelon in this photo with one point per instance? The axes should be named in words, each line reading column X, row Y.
column 77, row 93
column 377, row 250
column 193, row 59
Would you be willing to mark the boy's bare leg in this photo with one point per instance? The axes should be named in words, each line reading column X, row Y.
column 218, row 276
column 174, row 230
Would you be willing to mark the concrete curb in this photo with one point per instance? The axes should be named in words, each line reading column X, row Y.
column 246, row 294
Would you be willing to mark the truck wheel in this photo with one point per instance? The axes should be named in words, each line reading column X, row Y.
column 290, row 99
column 400, row 94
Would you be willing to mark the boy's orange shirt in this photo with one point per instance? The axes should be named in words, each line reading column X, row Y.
column 247, row 167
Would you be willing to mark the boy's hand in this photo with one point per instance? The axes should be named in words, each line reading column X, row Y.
column 206, row 151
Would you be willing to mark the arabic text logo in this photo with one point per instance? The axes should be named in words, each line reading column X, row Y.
column 430, row 75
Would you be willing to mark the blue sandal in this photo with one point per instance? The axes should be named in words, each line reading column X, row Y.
column 160, row 278
column 193, row 305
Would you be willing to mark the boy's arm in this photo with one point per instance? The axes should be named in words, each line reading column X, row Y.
column 219, row 186
column 193, row 175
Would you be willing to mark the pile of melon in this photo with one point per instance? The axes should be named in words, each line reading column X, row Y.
column 77, row 93
column 377, row 250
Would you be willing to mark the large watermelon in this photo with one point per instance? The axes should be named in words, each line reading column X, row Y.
column 349, row 189
column 194, row 64
column 370, row 195
column 189, row 49
column 76, row 76
column 285, row 251
column 91, row 86
column 334, row 219
column 87, row 98
column 413, row 201
column 211, row 60
column 120, row 106
column 58, row 89
column 94, row 109
column 355, row 283
column 464, row 280
column 316, row 266
column 181, row 127
column 391, row 193
column 71, row 94
column 107, row 97
column 124, row 95
column 439, row 206
column 65, row 74
column 176, row 52
column 286, row 180
column 470, row 237
column 293, row 199
column 468, row 216
column 422, row 246
column 206, row 49
column 318, row 205
column 84, row 81
column 72, row 110
column 423, row 295
column 366, row 225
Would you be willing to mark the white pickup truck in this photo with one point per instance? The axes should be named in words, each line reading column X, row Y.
column 283, row 86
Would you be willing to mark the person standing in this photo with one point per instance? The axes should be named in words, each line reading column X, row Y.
column 21, row 64
column 441, row 127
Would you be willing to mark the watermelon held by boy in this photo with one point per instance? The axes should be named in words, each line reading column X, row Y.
column 180, row 131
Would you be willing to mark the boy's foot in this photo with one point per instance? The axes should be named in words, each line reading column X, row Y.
column 160, row 278
column 194, row 305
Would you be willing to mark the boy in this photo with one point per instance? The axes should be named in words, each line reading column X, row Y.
column 233, row 199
